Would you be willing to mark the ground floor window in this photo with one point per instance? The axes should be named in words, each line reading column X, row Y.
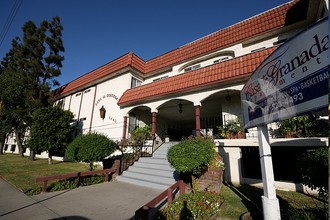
column 13, row 147
column 284, row 163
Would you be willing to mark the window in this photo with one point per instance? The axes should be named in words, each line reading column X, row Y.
column 6, row 147
column 78, row 94
column 259, row 49
column 221, row 59
column 61, row 104
column 191, row 68
column 160, row 78
column 82, row 119
column 88, row 90
column 135, row 82
column 132, row 123
column 13, row 147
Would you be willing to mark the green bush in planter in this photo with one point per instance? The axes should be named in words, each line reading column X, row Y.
column 90, row 148
column 191, row 155
column 199, row 205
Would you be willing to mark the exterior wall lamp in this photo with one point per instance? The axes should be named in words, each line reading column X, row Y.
column 102, row 112
column 180, row 107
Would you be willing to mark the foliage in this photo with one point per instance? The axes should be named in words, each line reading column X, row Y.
column 15, row 103
column 303, row 126
column 90, row 148
column 50, row 130
column 191, row 155
column 217, row 162
column 72, row 183
column 28, row 71
column 313, row 168
column 140, row 134
column 199, row 205
column 231, row 126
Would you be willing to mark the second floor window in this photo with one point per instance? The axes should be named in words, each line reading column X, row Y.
column 135, row 83
column 195, row 67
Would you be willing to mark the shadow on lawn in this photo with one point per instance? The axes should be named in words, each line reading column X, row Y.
column 251, row 198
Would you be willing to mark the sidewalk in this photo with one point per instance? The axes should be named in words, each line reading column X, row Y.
column 109, row 200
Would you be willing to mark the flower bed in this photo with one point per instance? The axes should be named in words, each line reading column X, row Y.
column 198, row 205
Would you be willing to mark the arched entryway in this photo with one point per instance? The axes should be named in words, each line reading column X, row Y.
column 178, row 118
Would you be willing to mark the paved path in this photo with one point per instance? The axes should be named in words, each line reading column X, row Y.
column 109, row 200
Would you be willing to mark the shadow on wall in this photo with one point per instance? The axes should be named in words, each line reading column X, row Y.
column 225, row 156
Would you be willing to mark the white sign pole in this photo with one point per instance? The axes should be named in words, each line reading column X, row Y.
column 270, row 204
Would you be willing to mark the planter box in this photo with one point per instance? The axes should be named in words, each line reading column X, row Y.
column 211, row 180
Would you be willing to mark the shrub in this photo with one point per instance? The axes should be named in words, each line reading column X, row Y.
column 191, row 155
column 313, row 168
column 140, row 134
column 90, row 148
column 199, row 205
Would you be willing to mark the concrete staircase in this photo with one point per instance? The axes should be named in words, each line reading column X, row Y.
column 154, row 172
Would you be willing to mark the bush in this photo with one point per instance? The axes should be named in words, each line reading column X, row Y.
column 313, row 169
column 90, row 148
column 199, row 205
column 191, row 155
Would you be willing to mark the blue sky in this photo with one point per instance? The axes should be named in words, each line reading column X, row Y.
column 96, row 32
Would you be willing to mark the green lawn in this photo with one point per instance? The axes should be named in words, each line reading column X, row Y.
column 240, row 199
column 21, row 172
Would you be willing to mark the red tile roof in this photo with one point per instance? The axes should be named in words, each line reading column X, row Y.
column 240, row 67
column 265, row 22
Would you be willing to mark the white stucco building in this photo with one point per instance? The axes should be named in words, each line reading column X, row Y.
column 192, row 89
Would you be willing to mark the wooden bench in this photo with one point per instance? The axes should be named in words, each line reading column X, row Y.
column 45, row 179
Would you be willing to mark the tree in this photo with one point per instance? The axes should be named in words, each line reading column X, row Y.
column 51, row 130
column 15, row 105
column 90, row 148
column 36, row 59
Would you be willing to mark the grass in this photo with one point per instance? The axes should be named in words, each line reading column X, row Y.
column 238, row 199
column 21, row 172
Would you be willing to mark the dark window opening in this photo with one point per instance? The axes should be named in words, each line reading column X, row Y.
column 13, row 147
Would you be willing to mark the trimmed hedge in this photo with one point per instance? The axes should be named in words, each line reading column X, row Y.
column 191, row 155
column 90, row 148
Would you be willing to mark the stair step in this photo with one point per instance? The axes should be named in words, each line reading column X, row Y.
column 155, row 166
column 154, row 172
column 150, row 177
column 151, row 170
column 152, row 160
column 154, row 185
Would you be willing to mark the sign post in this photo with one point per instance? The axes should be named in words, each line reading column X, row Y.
column 270, row 203
column 292, row 81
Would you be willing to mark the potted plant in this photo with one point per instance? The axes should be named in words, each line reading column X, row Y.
column 231, row 130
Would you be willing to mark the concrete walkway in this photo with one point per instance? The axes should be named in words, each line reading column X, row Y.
column 109, row 200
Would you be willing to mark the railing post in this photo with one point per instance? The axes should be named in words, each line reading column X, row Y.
column 106, row 177
column 44, row 185
column 181, row 187
column 145, row 213
column 169, row 196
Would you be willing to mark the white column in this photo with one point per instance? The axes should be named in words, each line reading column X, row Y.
column 270, row 204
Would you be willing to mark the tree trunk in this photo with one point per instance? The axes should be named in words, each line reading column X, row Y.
column 19, row 140
column 50, row 157
column 2, row 142
column 32, row 155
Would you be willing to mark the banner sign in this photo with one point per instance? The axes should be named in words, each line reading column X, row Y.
column 291, row 81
